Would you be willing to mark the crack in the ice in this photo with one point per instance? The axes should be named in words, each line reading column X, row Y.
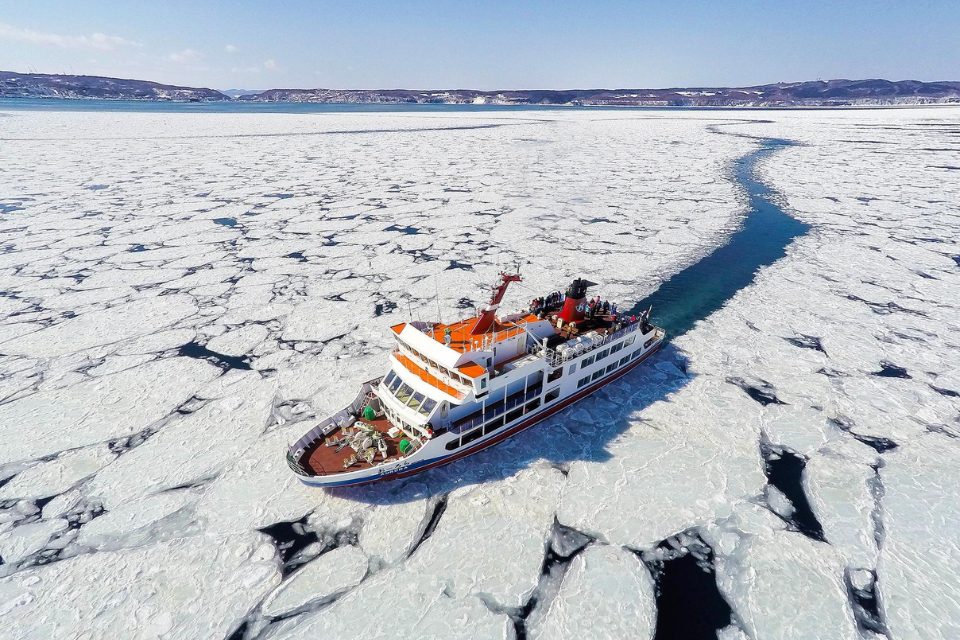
column 439, row 507
column 878, row 443
column 565, row 544
column 807, row 342
column 224, row 362
column 784, row 470
column 764, row 393
column 864, row 601
column 689, row 603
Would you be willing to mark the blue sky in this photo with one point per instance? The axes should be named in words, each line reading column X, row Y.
column 482, row 45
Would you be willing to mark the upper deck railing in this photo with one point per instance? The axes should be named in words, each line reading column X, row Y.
column 577, row 348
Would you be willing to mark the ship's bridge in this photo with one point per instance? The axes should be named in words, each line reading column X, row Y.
column 449, row 360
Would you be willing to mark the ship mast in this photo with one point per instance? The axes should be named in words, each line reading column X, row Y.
column 487, row 317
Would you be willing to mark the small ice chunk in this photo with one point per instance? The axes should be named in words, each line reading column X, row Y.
column 779, row 503
column 763, row 576
column 239, row 342
column 606, row 593
column 331, row 573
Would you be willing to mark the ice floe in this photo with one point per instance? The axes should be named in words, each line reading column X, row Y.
column 606, row 592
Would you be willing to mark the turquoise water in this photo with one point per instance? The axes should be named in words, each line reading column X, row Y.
column 702, row 288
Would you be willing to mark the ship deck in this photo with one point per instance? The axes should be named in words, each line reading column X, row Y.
column 460, row 337
column 324, row 461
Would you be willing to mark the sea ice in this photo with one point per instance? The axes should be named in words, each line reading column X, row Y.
column 141, row 468
column 186, row 588
column 98, row 409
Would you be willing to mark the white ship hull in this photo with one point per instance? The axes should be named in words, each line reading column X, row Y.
column 453, row 441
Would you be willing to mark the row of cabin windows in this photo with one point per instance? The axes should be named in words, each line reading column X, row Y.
column 452, row 374
column 599, row 373
column 494, row 403
column 600, row 355
column 407, row 396
column 499, row 421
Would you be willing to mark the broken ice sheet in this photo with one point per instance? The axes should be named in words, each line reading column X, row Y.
column 191, row 587
column 101, row 289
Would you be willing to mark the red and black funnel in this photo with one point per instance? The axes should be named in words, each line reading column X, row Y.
column 575, row 306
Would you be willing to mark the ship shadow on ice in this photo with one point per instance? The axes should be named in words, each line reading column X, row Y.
column 579, row 433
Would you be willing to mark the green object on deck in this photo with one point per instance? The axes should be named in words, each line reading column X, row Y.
column 405, row 446
column 369, row 414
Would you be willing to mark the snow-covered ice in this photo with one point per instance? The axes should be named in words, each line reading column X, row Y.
column 181, row 295
column 606, row 593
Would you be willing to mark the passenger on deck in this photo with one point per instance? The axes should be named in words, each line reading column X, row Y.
column 613, row 308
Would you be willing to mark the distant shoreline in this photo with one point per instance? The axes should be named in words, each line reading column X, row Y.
column 783, row 95
column 121, row 105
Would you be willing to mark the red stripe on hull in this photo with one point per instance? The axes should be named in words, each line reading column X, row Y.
column 580, row 395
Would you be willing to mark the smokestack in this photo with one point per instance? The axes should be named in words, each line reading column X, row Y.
column 574, row 307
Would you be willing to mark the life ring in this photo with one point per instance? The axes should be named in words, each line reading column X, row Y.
column 582, row 307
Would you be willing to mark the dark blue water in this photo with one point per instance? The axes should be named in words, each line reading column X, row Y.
column 704, row 287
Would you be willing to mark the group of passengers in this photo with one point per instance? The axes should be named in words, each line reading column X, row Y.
column 547, row 303
column 602, row 309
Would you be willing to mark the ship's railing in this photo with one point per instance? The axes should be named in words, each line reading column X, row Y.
column 342, row 418
column 555, row 358
column 486, row 341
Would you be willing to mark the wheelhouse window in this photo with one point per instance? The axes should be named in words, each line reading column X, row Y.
column 427, row 407
column 404, row 393
column 629, row 341
column 394, row 385
column 389, row 378
column 415, row 401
